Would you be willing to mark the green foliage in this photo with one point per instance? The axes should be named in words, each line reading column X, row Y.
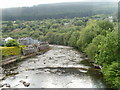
column 66, row 38
column 108, row 49
column 112, row 74
column 97, row 38
column 11, row 43
column 50, row 37
column 79, row 23
column 55, row 26
column 73, row 39
column 92, row 48
column 61, row 10
column 105, row 25
column 86, row 35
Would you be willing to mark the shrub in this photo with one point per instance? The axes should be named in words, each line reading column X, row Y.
column 7, row 51
column 112, row 74
column 12, row 42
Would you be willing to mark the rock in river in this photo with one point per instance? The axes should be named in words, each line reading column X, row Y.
column 25, row 84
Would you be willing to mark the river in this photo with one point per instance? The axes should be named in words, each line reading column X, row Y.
column 60, row 67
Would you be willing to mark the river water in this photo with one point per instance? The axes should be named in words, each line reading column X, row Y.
column 60, row 67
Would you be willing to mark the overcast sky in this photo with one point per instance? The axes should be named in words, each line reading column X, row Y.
column 22, row 3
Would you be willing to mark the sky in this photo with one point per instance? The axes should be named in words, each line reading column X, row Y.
column 24, row 3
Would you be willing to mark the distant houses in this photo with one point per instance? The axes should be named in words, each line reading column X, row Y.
column 7, row 39
column 4, row 40
column 101, row 17
column 22, row 41
column 110, row 18
column 27, row 41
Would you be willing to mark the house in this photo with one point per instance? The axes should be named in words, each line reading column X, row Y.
column 27, row 41
column 4, row 40
column 7, row 39
column 36, row 41
column 110, row 18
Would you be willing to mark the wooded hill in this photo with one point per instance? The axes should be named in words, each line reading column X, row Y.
column 60, row 10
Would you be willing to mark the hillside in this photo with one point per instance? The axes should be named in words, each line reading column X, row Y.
column 61, row 10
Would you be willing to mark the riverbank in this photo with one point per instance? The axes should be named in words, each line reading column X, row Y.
column 13, row 59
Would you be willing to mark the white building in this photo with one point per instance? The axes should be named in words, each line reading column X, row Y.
column 27, row 41
column 36, row 41
column 110, row 18
column 7, row 39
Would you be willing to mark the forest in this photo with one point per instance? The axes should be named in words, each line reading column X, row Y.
column 61, row 10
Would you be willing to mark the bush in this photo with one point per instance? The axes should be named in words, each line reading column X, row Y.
column 7, row 51
column 112, row 74
column 12, row 42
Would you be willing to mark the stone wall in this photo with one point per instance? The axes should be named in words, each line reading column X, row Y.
column 34, row 49
column 29, row 51
column 43, row 47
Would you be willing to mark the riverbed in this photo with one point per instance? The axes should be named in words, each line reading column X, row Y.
column 60, row 67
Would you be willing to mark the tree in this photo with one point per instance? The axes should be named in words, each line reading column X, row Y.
column 12, row 42
column 87, row 34
column 108, row 49
column 66, row 37
column 112, row 74
column 92, row 48
column 50, row 37
column 79, row 23
column 73, row 39
column 107, row 25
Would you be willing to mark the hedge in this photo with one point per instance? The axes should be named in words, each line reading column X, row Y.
column 7, row 51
